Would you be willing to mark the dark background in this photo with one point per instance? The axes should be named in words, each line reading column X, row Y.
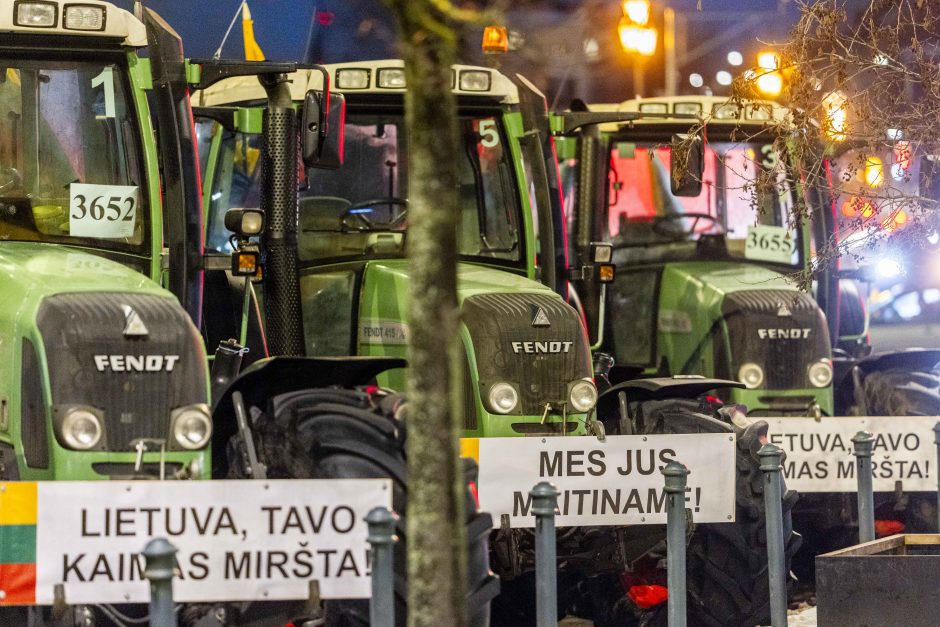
column 552, row 55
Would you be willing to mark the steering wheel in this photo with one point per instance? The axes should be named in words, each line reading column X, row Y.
column 367, row 224
column 659, row 223
column 10, row 178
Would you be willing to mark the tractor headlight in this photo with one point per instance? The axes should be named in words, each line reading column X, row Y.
column 80, row 429
column 820, row 373
column 751, row 375
column 503, row 397
column 582, row 395
column 41, row 14
column 192, row 426
column 83, row 17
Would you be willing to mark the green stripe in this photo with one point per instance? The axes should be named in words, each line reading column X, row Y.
column 17, row 544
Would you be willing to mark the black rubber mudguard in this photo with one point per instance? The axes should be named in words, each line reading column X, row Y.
column 912, row 359
column 267, row 378
column 659, row 388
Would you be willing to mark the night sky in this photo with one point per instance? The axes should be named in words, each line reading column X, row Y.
column 350, row 30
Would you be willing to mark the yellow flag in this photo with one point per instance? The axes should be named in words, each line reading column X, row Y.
column 252, row 49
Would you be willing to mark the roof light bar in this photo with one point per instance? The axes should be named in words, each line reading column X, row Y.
column 35, row 14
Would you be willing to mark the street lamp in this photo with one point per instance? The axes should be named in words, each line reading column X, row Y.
column 768, row 76
column 637, row 10
column 638, row 39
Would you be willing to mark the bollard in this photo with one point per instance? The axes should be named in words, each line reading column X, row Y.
column 382, row 538
column 676, row 475
column 936, row 439
column 863, row 442
column 161, row 561
column 770, row 458
column 544, row 501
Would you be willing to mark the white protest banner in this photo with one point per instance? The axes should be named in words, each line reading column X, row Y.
column 236, row 540
column 616, row 481
column 820, row 459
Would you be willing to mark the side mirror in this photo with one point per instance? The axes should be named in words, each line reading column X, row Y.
column 687, row 165
column 322, row 133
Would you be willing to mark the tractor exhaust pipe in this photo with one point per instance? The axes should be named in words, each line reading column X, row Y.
column 279, row 203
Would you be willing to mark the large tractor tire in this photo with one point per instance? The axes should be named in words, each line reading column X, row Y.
column 903, row 391
column 727, row 579
column 330, row 433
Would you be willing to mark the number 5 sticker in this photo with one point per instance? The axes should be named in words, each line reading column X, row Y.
column 103, row 211
column 489, row 136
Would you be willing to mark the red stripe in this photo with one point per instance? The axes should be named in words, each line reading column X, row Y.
column 18, row 582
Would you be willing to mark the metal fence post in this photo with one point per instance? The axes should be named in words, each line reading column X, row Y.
column 770, row 458
column 544, row 501
column 863, row 442
column 382, row 538
column 161, row 560
column 936, row 439
column 676, row 475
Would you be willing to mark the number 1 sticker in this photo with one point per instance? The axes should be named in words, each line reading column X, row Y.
column 103, row 211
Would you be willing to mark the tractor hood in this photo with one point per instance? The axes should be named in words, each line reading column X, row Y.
column 472, row 280
column 745, row 314
column 29, row 272
column 516, row 329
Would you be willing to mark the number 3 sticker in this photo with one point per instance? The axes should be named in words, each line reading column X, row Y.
column 104, row 211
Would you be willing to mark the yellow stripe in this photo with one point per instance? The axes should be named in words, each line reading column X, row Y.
column 18, row 503
column 470, row 447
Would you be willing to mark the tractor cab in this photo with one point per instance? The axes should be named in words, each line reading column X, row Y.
column 527, row 363
column 698, row 198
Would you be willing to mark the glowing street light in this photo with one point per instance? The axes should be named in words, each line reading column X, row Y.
column 835, row 109
column 637, row 39
column 767, row 60
column 769, row 79
column 637, row 10
column 770, row 83
column 735, row 58
column 723, row 77
column 696, row 80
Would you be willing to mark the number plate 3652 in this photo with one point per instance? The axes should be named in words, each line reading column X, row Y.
column 104, row 211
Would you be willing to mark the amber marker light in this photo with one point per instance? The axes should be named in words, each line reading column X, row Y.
column 495, row 40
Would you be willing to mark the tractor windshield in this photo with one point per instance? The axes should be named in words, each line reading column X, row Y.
column 742, row 212
column 361, row 209
column 69, row 155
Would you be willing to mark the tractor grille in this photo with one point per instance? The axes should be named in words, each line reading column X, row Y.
column 82, row 332
column 781, row 331
column 540, row 360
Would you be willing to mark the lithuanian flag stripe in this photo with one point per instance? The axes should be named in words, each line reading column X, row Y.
column 18, row 503
column 18, row 543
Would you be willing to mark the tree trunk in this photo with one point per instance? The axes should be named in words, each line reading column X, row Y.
column 436, row 543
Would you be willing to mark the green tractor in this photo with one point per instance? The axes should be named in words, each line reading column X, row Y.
column 353, row 228
column 698, row 197
column 105, row 374
column 527, row 365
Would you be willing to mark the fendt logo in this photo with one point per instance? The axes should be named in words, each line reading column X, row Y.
column 535, row 348
column 133, row 325
column 783, row 334
column 136, row 363
column 539, row 319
